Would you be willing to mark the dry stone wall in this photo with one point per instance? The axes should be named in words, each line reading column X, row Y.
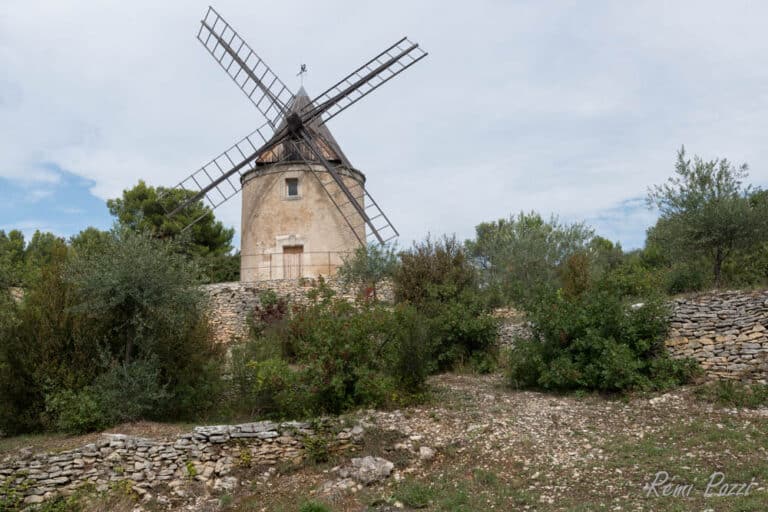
column 230, row 304
column 512, row 326
column 207, row 455
column 726, row 332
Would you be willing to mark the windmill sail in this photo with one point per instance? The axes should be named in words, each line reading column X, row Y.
column 219, row 180
column 366, row 79
column 295, row 129
column 251, row 74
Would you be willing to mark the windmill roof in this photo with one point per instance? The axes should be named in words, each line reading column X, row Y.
column 323, row 138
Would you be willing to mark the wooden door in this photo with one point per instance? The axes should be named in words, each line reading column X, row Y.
column 292, row 255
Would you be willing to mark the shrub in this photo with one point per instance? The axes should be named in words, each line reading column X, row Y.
column 575, row 274
column 314, row 506
column 317, row 449
column 338, row 347
column 632, row 279
column 46, row 349
column 129, row 392
column 117, row 331
column 367, row 267
column 143, row 298
column 596, row 341
column 76, row 412
column 462, row 329
column 735, row 394
column 270, row 310
column 433, row 270
column 345, row 356
column 440, row 282
column 409, row 348
column 275, row 388
column 685, row 277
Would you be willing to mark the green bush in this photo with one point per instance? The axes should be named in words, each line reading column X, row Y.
column 462, row 328
column 409, row 348
column 317, row 448
column 46, row 349
column 344, row 356
column 338, row 347
column 367, row 267
column 314, row 506
column 76, row 412
column 129, row 392
column 687, row 277
column 275, row 389
column 120, row 394
column 596, row 341
column 440, row 282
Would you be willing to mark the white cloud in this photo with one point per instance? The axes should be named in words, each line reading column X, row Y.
column 561, row 107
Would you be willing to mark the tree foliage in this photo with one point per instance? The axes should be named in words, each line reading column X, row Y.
column 525, row 252
column 104, row 320
column 597, row 339
column 438, row 278
column 11, row 258
column 707, row 212
column 21, row 262
column 367, row 267
column 144, row 208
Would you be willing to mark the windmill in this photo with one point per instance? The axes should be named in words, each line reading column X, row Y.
column 295, row 144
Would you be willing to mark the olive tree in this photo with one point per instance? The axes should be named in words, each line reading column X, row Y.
column 706, row 210
column 522, row 253
column 368, row 266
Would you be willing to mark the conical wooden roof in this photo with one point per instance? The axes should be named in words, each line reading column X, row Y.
column 324, row 140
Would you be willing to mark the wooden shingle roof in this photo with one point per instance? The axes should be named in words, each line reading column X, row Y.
column 286, row 152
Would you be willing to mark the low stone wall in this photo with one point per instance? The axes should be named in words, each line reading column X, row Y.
column 726, row 332
column 207, row 455
column 230, row 304
column 512, row 326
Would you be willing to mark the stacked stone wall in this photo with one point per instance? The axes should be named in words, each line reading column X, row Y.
column 726, row 332
column 208, row 455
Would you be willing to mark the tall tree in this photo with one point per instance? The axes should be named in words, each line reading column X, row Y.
column 89, row 239
column 706, row 210
column 525, row 252
column 143, row 208
column 11, row 258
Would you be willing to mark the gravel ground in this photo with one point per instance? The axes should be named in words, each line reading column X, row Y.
column 480, row 446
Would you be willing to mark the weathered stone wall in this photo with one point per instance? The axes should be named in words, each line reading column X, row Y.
column 230, row 304
column 512, row 326
column 727, row 332
column 208, row 455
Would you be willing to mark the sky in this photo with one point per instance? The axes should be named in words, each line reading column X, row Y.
column 566, row 108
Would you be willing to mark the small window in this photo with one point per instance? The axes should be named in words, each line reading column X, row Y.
column 292, row 187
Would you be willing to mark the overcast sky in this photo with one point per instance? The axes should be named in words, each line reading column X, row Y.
column 568, row 108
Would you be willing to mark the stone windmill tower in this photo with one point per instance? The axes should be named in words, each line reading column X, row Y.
column 304, row 206
column 291, row 226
